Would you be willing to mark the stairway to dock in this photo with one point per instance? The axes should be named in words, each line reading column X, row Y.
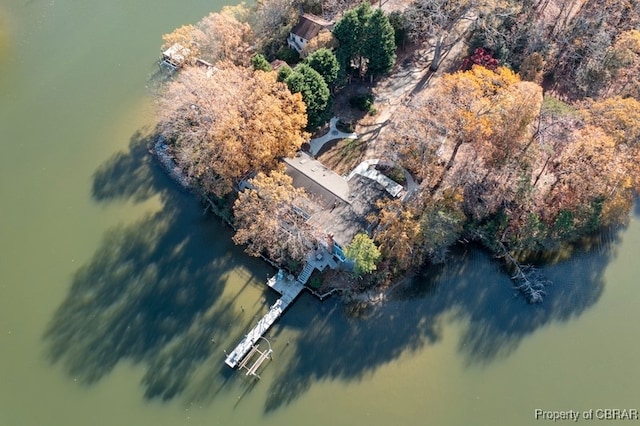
column 306, row 273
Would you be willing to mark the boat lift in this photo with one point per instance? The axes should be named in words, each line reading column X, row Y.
column 263, row 355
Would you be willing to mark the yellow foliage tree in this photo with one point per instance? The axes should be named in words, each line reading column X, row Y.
column 229, row 122
column 585, row 170
column 187, row 36
column 623, row 59
column 225, row 38
column 240, row 11
column 626, row 49
column 268, row 221
column 324, row 39
column 490, row 110
column 619, row 118
column 399, row 234
column 516, row 110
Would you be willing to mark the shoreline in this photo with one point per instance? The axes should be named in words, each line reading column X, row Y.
column 160, row 151
column 528, row 280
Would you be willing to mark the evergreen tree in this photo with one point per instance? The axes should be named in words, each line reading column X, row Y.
column 350, row 33
column 325, row 62
column 260, row 63
column 284, row 72
column 315, row 93
column 379, row 44
column 397, row 21
column 367, row 41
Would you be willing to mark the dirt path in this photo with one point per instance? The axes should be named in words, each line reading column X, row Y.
column 410, row 76
column 390, row 94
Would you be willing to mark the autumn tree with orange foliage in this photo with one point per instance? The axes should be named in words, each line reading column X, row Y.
column 217, row 37
column 225, row 38
column 487, row 115
column 187, row 36
column 488, row 110
column 324, row 40
column 528, row 178
column 226, row 123
column 423, row 228
column 623, row 59
column 399, row 234
column 585, row 173
column 619, row 119
column 584, row 176
column 269, row 221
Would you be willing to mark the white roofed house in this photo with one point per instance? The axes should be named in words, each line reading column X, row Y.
column 308, row 27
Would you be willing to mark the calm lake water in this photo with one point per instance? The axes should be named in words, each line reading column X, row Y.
column 118, row 296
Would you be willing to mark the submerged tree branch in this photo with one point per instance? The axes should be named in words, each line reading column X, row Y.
column 527, row 278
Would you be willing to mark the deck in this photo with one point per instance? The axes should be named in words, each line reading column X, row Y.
column 289, row 288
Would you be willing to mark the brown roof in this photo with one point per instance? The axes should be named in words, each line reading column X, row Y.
column 310, row 25
column 275, row 65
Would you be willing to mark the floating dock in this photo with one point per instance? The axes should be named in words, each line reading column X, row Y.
column 289, row 288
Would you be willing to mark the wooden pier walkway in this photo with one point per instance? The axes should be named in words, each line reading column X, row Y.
column 289, row 288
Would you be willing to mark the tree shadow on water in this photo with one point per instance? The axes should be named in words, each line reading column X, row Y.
column 498, row 319
column 471, row 290
column 151, row 293
column 133, row 175
column 349, row 345
column 477, row 293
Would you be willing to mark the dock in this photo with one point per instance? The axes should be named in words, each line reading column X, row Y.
column 175, row 56
column 289, row 288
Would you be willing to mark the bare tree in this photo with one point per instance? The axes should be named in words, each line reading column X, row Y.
column 225, row 38
column 271, row 21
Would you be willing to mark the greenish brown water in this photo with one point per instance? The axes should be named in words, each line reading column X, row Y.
column 118, row 297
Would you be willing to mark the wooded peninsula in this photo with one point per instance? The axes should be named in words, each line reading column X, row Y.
column 510, row 124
